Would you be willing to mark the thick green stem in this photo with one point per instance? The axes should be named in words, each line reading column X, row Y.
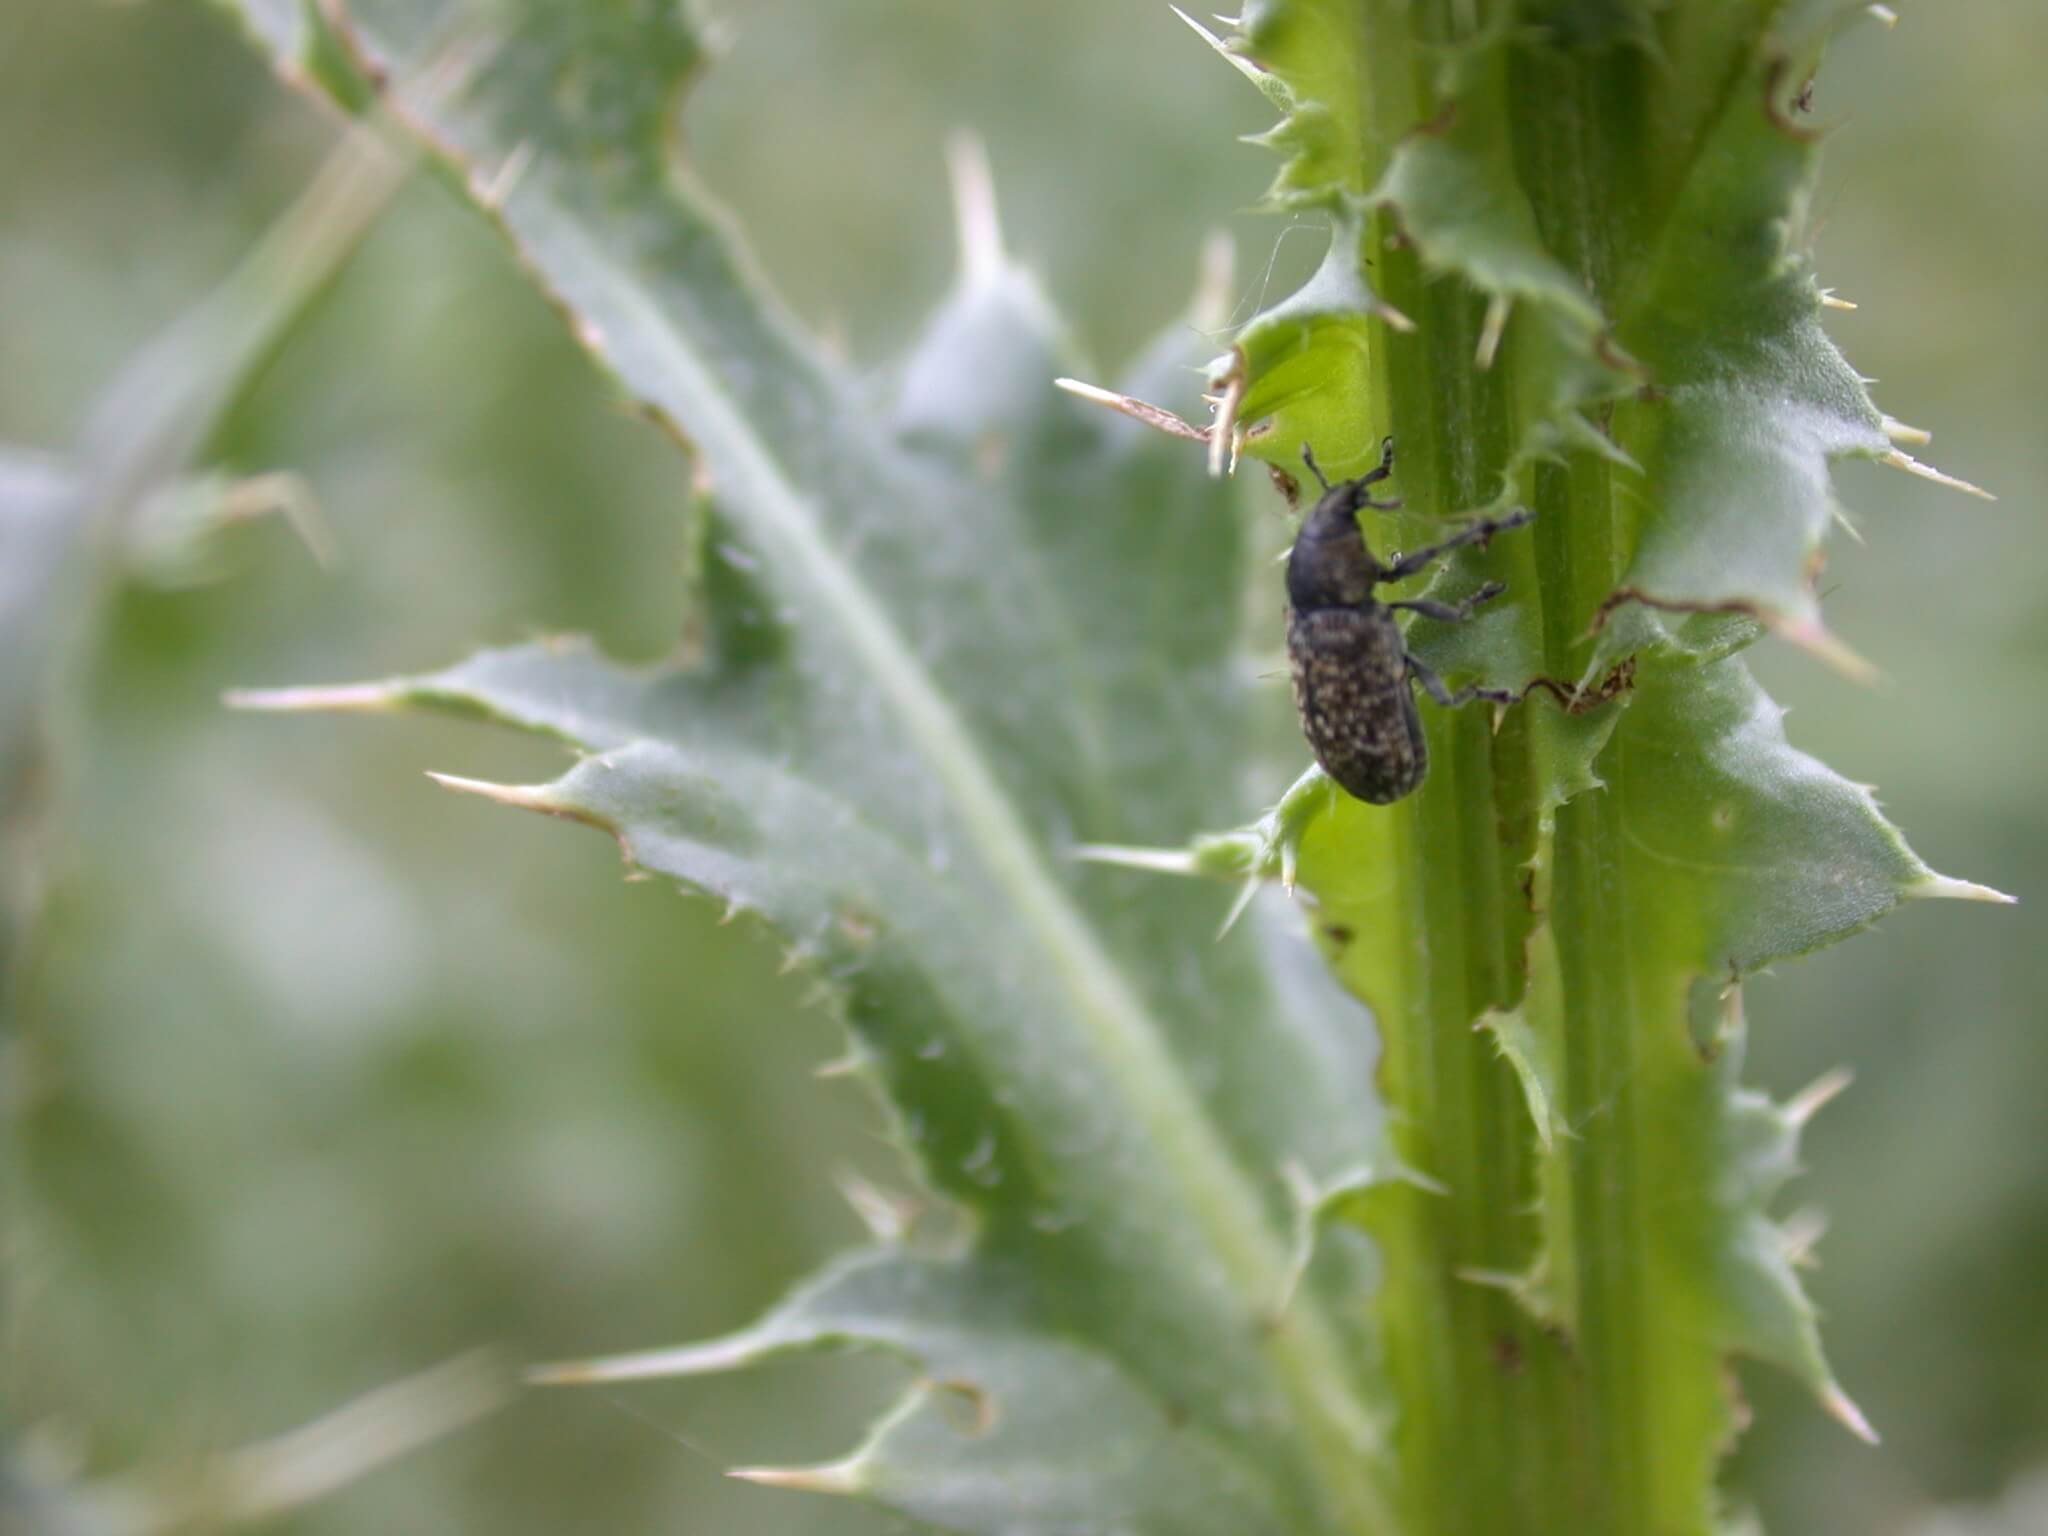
column 1577, row 1405
column 1581, row 1406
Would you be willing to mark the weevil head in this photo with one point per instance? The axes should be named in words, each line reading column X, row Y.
column 1332, row 566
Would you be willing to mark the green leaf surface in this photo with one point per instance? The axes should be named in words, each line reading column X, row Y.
column 1751, row 401
column 1760, row 851
column 951, row 628
column 1013, row 1418
column 1308, row 61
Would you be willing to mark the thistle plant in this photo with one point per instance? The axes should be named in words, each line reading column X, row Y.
column 962, row 646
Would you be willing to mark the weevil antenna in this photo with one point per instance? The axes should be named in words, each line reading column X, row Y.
column 1308, row 457
column 1384, row 468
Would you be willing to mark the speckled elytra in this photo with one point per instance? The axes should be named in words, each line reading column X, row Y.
column 1350, row 665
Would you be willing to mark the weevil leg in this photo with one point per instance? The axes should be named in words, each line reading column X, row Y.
column 1476, row 533
column 1451, row 613
column 1434, row 686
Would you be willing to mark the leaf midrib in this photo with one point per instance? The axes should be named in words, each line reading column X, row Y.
column 1126, row 1040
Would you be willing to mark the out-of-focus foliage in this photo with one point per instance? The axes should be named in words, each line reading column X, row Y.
column 312, row 1094
column 2022, row 1512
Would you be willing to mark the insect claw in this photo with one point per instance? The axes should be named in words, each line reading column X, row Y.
column 1490, row 526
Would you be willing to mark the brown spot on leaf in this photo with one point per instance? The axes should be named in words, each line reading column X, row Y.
column 1780, row 110
column 1441, row 124
column 1574, row 700
column 974, row 1410
column 1610, row 352
column 1622, row 596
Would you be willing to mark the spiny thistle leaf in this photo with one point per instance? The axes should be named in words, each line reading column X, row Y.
column 1778, row 853
column 1568, row 270
column 951, row 630
column 1014, row 1415
column 1750, row 399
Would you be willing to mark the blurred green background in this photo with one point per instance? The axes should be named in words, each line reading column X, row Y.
column 326, row 1076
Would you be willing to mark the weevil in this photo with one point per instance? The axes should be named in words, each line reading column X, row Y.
column 1352, row 672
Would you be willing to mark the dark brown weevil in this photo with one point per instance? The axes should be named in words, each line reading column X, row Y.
column 1351, row 668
